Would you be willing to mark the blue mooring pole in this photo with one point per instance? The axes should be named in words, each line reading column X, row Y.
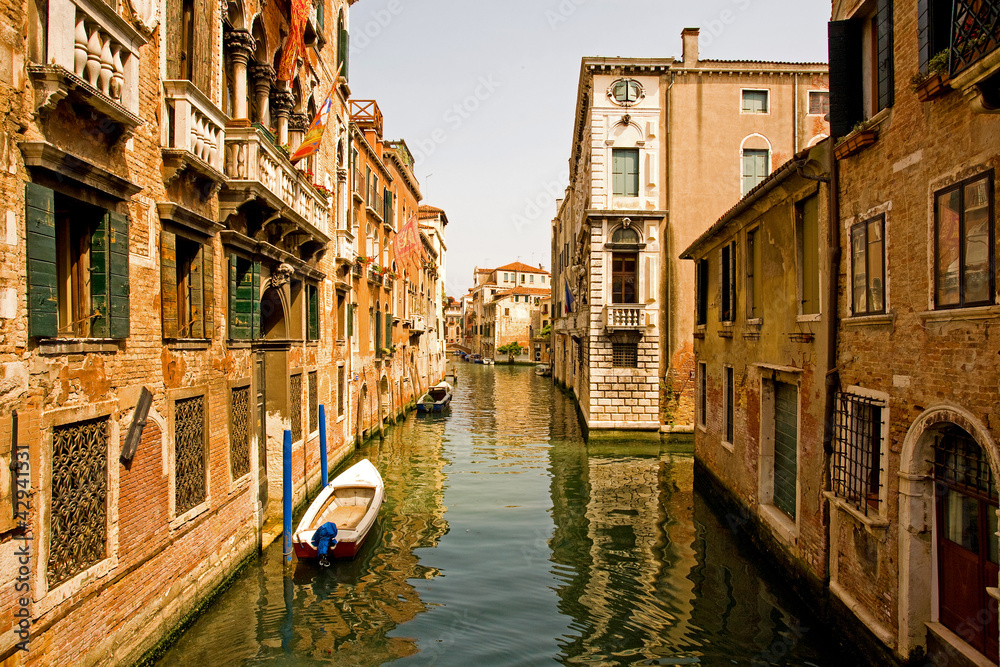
column 286, row 468
column 322, row 445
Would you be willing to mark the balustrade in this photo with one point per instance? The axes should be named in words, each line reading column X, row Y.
column 193, row 123
column 621, row 316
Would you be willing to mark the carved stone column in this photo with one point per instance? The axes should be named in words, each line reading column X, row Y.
column 282, row 102
column 298, row 124
column 263, row 78
column 239, row 45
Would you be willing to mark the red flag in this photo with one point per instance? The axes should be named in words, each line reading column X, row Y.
column 295, row 44
column 407, row 240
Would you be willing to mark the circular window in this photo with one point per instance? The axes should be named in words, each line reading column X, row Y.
column 625, row 236
column 626, row 92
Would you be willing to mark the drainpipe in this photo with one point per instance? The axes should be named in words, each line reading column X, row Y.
column 832, row 373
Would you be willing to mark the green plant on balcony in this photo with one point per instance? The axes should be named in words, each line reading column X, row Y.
column 362, row 259
column 285, row 149
column 323, row 190
column 936, row 66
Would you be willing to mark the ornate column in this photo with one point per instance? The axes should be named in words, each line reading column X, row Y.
column 239, row 45
column 263, row 78
column 282, row 102
column 298, row 124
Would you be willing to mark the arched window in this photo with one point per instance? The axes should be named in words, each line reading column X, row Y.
column 370, row 242
column 625, row 242
column 625, row 235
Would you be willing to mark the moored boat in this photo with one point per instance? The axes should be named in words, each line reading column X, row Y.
column 351, row 503
column 436, row 399
column 543, row 369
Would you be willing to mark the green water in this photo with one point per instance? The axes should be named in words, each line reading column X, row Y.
column 506, row 540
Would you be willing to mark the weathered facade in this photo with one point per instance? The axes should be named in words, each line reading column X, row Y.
column 167, row 271
column 502, row 303
column 652, row 136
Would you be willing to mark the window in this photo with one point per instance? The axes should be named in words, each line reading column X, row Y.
column 933, row 30
column 819, row 102
column 729, row 406
column 702, row 393
column 505, row 278
column 625, row 172
column 522, row 277
column 624, row 355
column 295, row 405
column 963, row 244
column 626, row 92
column 726, row 314
column 701, row 292
column 531, row 278
column 506, row 311
column 340, row 391
column 313, row 387
column 187, row 280
column 754, row 288
column 784, row 446
column 78, row 272
column 312, row 312
column 78, row 535
column 861, row 66
column 857, row 450
column 755, row 167
column 807, row 240
column 624, row 277
column 755, row 101
column 244, row 298
column 239, row 431
column 543, row 280
column 341, row 315
column 189, row 453
column 868, row 266
column 625, row 236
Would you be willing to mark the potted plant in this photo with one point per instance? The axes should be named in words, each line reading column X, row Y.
column 362, row 259
column 860, row 136
column 932, row 83
column 323, row 190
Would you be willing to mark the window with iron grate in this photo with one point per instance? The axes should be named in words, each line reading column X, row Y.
column 625, row 355
column 295, row 406
column 313, row 402
column 239, row 435
column 857, row 450
column 78, row 517
column 189, row 453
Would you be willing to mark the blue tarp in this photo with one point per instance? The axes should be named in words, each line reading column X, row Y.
column 323, row 538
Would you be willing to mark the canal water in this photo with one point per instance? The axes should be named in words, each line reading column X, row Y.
column 505, row 539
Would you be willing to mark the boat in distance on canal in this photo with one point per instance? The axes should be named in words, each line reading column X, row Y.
column 436, row 399
column 351, row 502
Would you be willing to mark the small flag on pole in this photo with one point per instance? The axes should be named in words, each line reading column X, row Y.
column 310, row 143
column 569, row 298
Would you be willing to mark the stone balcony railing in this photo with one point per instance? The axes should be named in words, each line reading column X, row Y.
column 257, row 169
column 91, row 53
column 194, row 130
column 624, row 317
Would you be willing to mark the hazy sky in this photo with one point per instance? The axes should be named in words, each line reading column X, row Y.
column 483, row 93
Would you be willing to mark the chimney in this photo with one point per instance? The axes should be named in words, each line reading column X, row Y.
column 690, row 39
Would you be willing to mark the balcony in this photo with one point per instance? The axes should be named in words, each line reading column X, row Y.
column 624, row 317
column 357, row 269
column 376, row 205
column 193, row 133
column 388, row 282
column 374, row 276
column 90, row 55
column 367, row 115
column 258, row 172
column 359, row 188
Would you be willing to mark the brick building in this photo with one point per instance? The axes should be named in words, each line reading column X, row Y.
column 503, row 300
column 652, row 136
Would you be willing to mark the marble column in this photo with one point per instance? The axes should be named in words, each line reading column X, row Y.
column 282, row 102
column 263, row 79
column 298, row 124
column 239, row 45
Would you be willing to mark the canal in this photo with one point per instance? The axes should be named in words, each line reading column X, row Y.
column 506, row 540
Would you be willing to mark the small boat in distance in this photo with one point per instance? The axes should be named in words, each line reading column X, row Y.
column 351, row 502
column 488, row 361
column 543, row 369
column 436, row 399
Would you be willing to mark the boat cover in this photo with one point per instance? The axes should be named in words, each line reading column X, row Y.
column 323, row 538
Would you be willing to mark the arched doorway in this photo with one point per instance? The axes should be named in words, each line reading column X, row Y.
column 947, row 531
column 272, row 364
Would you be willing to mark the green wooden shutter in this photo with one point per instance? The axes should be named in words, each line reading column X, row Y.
column 785, row 446
column 846, row 102
column 195, row 326
column 388, row 329
column 924, row 39
column 886, row 78
column 240, row 300
column 168, row 283
column 378, row 334
column 388, row 208
column 350, row 319
column 255, row 300
column 312, row 304
column 617, row 172
column 100, row 261
column 345, row 52
column 207, row 255
column 632, row 172
column 40, row 232
column 118, row 285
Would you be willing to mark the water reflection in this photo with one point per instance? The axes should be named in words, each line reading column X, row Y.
column 505, row 539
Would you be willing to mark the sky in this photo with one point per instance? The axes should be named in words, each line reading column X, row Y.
column 484, row 94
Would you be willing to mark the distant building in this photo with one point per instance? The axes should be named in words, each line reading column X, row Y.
column 516, row 288
column 452, row 323
column 652, row 136
column 541, row 324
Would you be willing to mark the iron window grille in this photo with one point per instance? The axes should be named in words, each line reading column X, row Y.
column 78, row 517
column 625, row 355
column 295, row 405
column 313, row 402
column 975, row 32
column 857, row 455
column 189, row 453
column 239, row 437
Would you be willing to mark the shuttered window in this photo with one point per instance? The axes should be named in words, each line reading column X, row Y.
column 728, row 301
column 625, row 172
column 701, row 292
column 807, row 212
column 77, row 267
column 933, row 29
column 350, row 319
column 244, row 298
column 856, row 46
column 755, row 101
column 755, row 168
column 344, row 44
column 388, row 329
column 785, row 446
column 754, row 282
column 187, row 286
column 312, row 312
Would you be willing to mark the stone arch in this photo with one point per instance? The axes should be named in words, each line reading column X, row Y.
column 260, row 41
column 918, row 579
column 755, row 141
column 273, row 310
column 815, row 140
column 626, row 135
column 236, row 15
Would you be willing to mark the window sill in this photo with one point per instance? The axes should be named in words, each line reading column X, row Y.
column 726, row 330
column 784, row 526
column 869, row 320
column 191, row 514
column 239, row 344
column 812, row 317
column 340, row 419
column 188, row 344
column 53, row 346
column 728, row 446
column 949, row 314
column 871, row 523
